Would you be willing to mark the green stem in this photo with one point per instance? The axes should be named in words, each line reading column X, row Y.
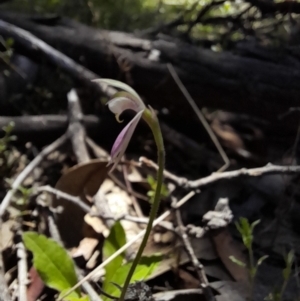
column 153, row 123
column 252, row 271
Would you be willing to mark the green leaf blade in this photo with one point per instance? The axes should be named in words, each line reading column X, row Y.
column 144, row 269
column 237, row 261
column 113, row 242
column 52, row 262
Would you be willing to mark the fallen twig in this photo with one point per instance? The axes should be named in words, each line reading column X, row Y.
column 78, row 139
column 4, row 291
column 34, row 44
column 87, row 209
column 60, row 194
column 194, row 260
column 28, row 169
column 75, row 129
column 41, row 124
column 22, row 271
column 135, row 203
column 199, row 113
column 227, row 175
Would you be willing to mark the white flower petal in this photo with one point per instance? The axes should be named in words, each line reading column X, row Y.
column 118, row 84
column 119, row 104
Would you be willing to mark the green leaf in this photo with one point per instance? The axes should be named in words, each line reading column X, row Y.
column 73, row 297
column 261, row 260
column 151, row 181
column 52, row 262
column 237, row 261
column 117, row 84
column 151, row 193
column 9, row 42
column 289, row 259
column 246, row 231
column 144, row 269
column 113, row 242
column 254, row 224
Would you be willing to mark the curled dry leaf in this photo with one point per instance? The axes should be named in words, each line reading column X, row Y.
column 81, row 180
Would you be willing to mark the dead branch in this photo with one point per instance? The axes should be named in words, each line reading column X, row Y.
column 213, row 79
column 228, row 175
column 4, row 291
column 60, row 194
column 201, row 117
column 28, row 169
column 76, row 130
column 128, row 185
column 42, row 124
column 253, row 172
column 22, row 271
column 87, row 209
column 39, row 47
column 78, row 138
column 204, row 284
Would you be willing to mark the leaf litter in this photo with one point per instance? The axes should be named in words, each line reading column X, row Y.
column 85, row 234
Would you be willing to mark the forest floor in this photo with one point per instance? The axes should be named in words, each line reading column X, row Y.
column 64, row 190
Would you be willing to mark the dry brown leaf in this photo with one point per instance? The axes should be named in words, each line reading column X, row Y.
column 36, row 285
column 82, row 180
column 226, row 247
column 189, row 281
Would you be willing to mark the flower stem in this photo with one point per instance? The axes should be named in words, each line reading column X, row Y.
column 153, row 123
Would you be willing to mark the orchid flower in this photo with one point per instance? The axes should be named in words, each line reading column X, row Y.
column 122, row 101
column 128, row 99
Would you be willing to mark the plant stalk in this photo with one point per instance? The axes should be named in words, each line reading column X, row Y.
column 151, row 119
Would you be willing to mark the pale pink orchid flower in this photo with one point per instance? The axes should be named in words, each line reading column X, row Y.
column 118, row 105
column 128, row 100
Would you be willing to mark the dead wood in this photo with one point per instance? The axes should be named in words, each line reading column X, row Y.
column 4, row 295
column 198, row 266
column 262, row 82
column 43, row 124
